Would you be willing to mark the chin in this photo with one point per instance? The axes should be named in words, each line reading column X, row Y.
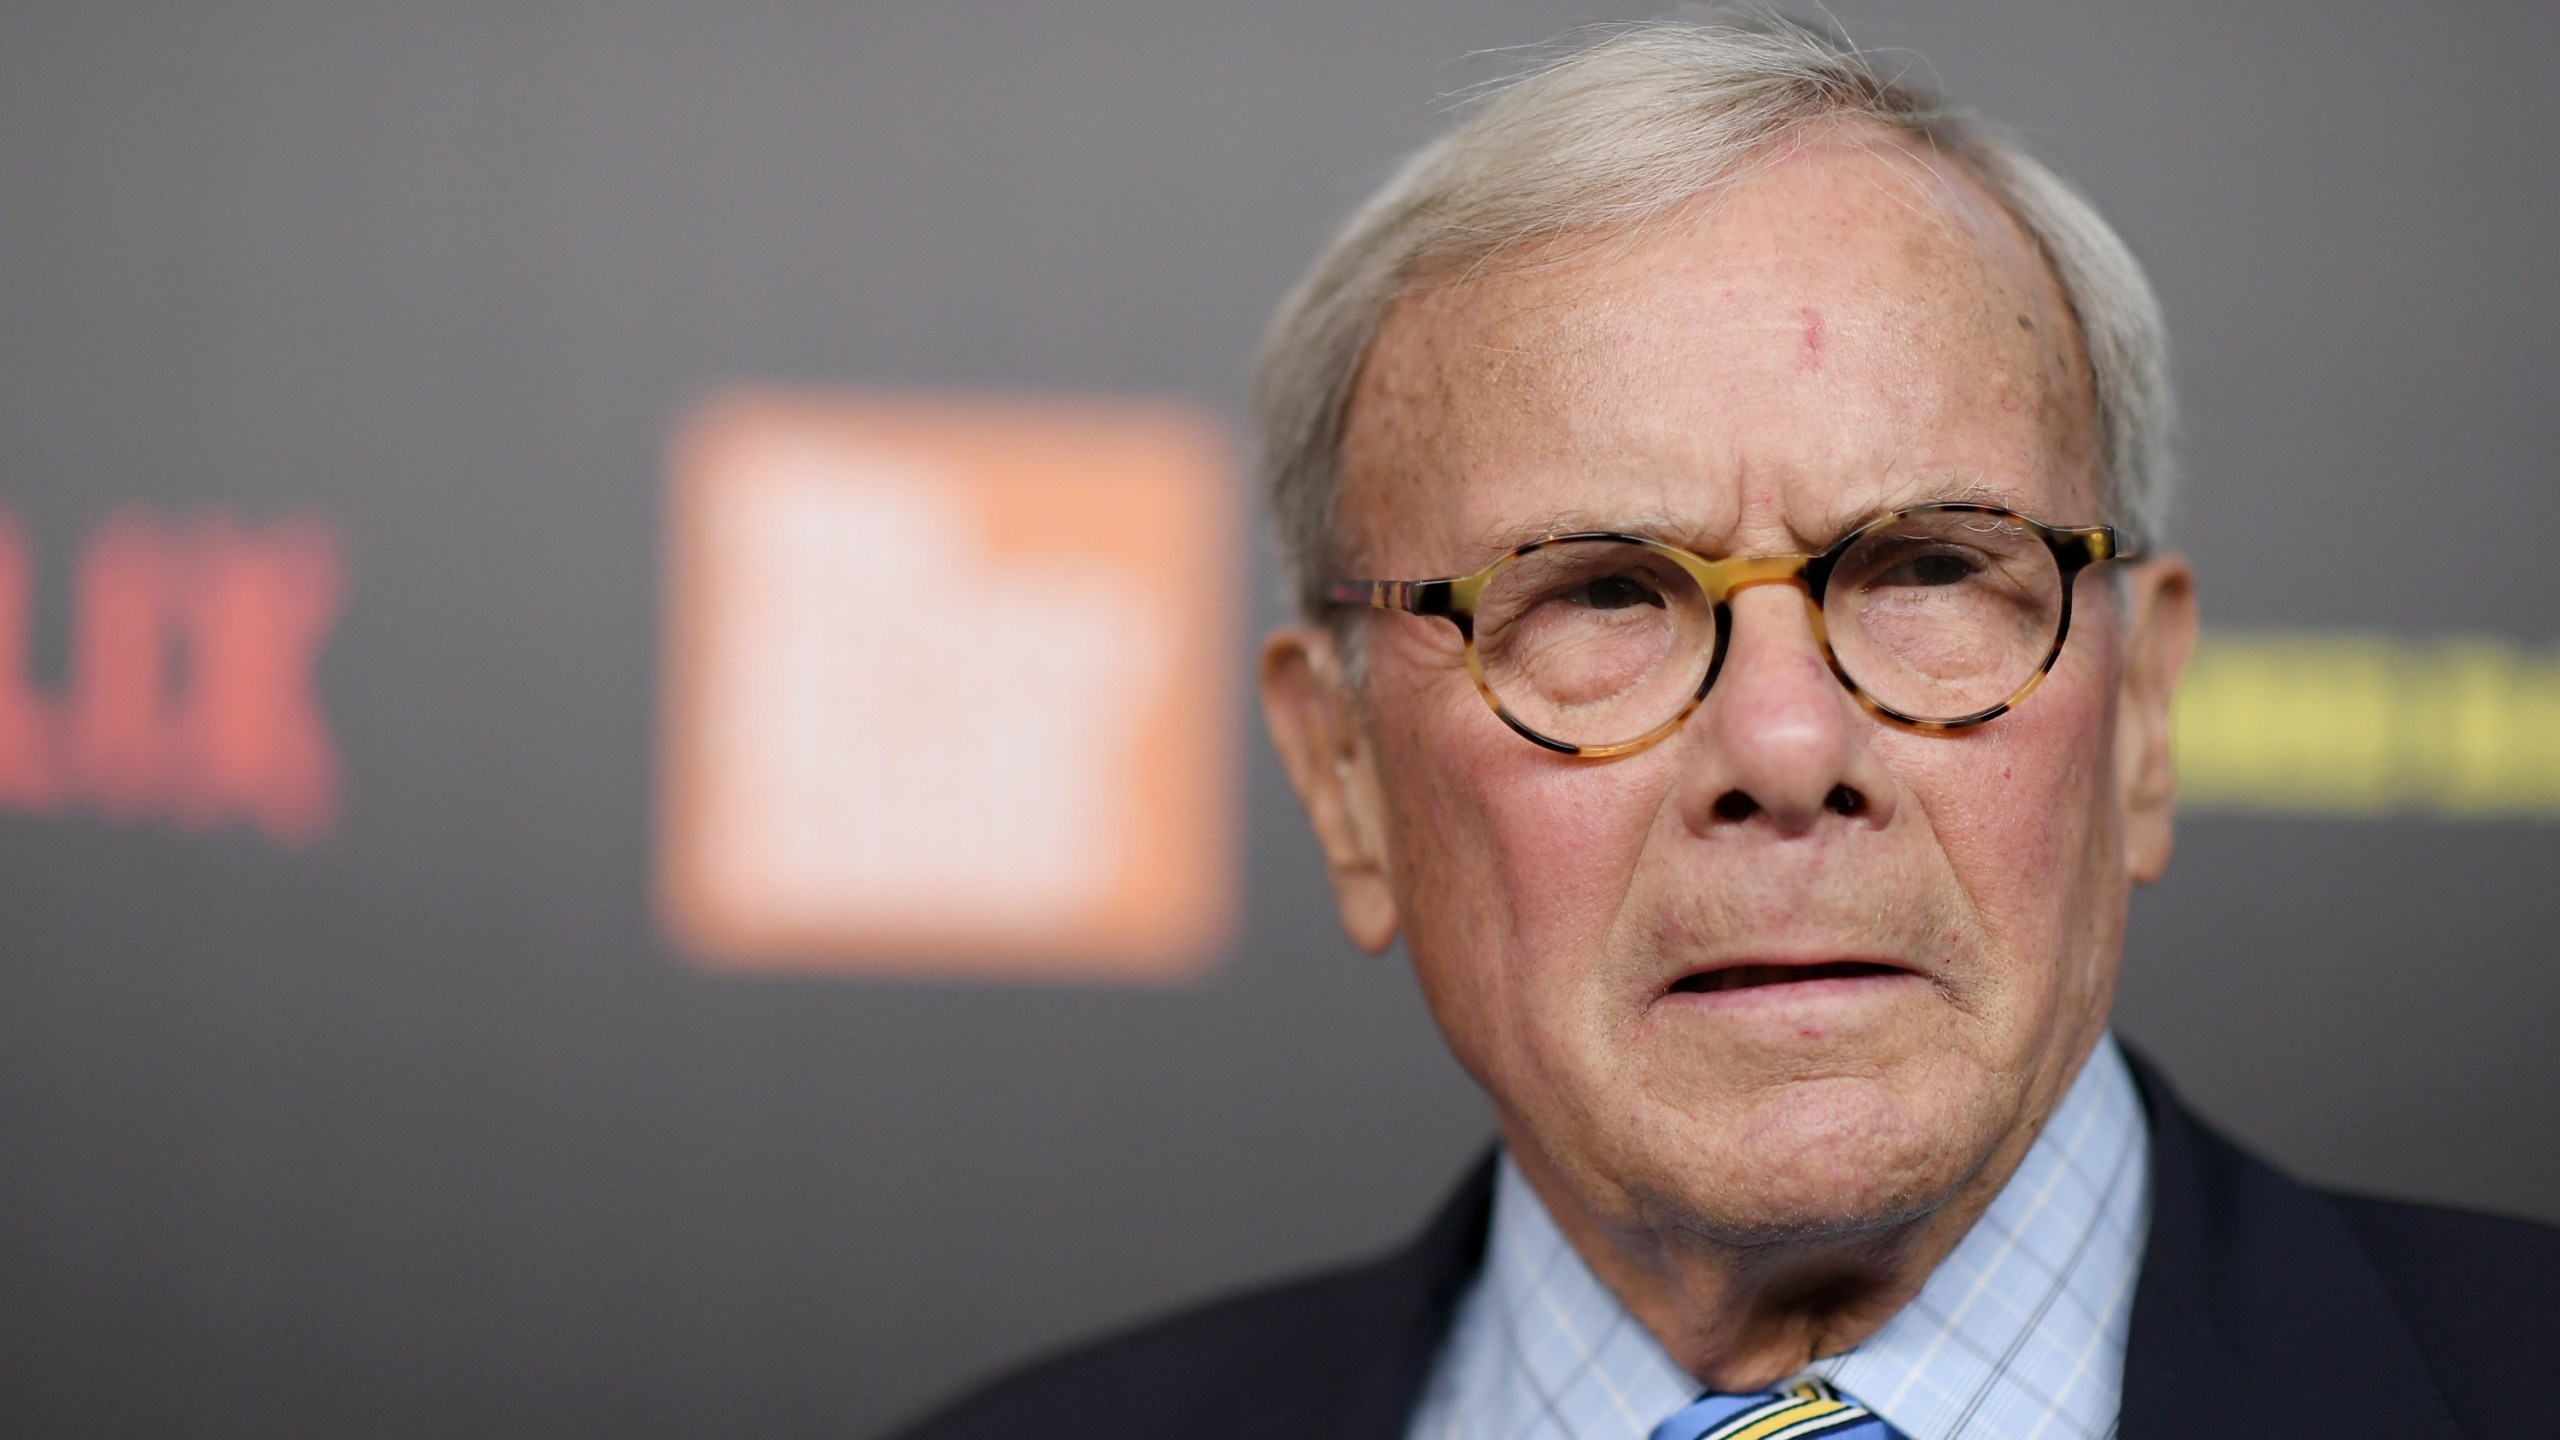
column 1841, row 1156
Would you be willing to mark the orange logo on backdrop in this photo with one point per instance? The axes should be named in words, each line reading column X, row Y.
column 950, row 687
column 191, row 692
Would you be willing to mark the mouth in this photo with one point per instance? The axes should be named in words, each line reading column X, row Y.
column 1762, row 976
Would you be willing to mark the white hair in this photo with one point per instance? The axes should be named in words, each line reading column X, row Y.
column 1622, row 131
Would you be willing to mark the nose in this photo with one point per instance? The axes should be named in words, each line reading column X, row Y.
column 1779, row 741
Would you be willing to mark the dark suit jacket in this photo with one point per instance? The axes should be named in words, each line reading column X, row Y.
column 2264, row 1309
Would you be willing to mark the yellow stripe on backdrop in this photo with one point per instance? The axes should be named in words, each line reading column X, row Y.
column 2365, row 725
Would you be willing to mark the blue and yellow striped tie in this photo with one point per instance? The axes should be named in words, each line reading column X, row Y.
column 1799, row 1412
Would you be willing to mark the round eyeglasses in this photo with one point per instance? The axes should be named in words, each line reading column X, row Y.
column 1936, row 617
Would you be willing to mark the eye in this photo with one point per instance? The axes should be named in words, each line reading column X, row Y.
column 1933, row 569
column 1614, row 592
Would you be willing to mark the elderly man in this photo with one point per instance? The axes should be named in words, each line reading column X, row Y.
column 1724, row 489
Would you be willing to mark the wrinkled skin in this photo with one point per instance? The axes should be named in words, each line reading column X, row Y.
column 1766, row 1173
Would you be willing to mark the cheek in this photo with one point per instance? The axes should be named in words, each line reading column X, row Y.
column 1571, row 838
column 1511, row 863
column 2023, row 812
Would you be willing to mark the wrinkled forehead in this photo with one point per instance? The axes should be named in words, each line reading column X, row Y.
column 1856, row 325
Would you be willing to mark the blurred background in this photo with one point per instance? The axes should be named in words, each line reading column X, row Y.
column 349, row 1081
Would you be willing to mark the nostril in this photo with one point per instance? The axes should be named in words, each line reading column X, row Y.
column 1734, row 805
column 1844, row 801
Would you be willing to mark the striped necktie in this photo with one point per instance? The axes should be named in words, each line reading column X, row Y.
column 1797, row 1413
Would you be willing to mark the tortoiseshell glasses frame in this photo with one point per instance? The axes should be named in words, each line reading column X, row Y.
column 1457, row 598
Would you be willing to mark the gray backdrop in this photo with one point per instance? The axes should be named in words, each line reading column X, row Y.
column 426, row 1132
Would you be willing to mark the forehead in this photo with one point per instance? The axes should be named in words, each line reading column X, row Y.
column 1853, row 327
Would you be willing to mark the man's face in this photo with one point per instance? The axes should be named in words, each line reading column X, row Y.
column 1847, row 333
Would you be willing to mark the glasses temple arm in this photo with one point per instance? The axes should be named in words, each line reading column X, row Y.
column 1418, row 597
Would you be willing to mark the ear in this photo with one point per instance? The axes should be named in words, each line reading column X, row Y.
column 2159, row 635
column 1315, row 725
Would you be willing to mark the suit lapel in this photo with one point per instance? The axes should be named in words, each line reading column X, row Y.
column 2257, row 1315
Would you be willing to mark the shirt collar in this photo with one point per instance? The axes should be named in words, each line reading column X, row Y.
column 2019, row 1331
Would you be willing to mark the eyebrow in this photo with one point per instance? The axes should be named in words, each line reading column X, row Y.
column 1576, row 522
column 1956, row 489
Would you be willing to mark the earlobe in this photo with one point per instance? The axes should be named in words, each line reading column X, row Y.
column 1315, row 727
column 2159, row 636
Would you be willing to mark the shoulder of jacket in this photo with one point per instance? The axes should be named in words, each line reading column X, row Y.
column 2478, row 1293
column 2469, row 1276
column 1238, row 1366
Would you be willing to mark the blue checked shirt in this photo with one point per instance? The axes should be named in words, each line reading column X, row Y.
column 2018, row 1335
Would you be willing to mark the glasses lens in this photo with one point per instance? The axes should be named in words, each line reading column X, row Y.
column 1593, row 642
column 1943, row 614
